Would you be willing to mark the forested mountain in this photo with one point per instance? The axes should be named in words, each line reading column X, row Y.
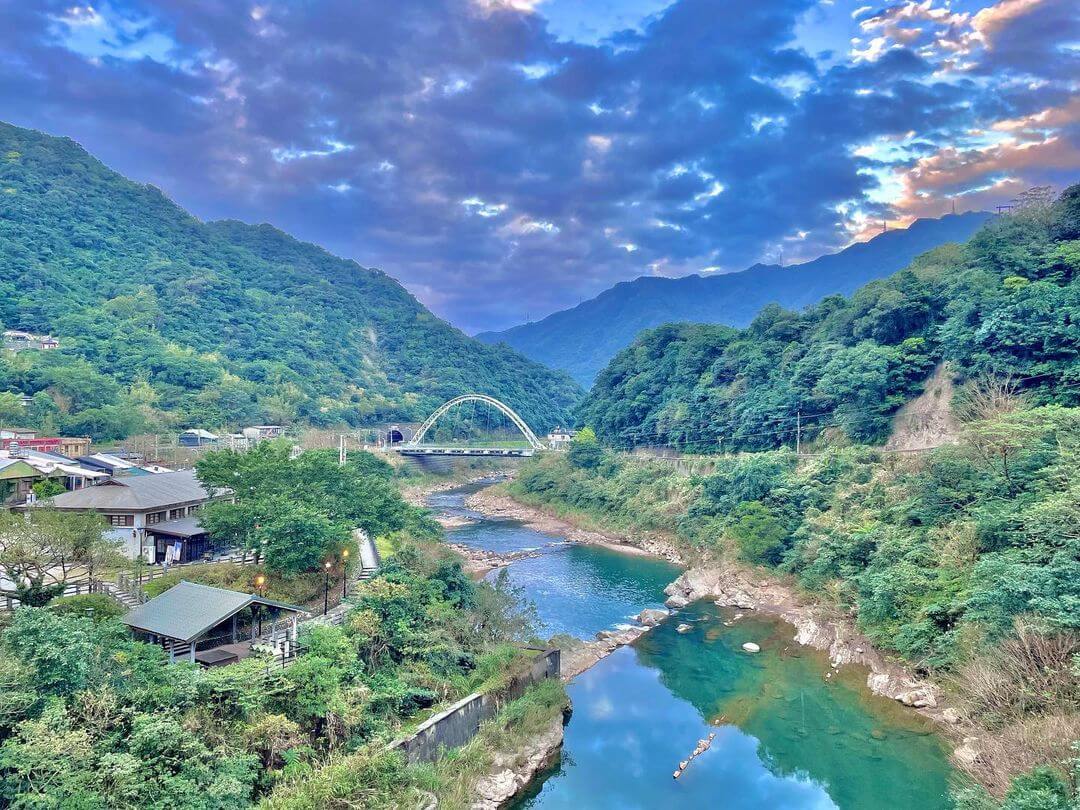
column 583, row 339
column 1005, row 304
column 168, row 321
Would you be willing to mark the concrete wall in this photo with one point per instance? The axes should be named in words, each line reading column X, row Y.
column 458, row 724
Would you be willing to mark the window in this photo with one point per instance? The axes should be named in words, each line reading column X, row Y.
column 176, row 513
column 154, row 517
column 120, row 520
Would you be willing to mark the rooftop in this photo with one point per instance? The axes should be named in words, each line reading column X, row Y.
column 188, row 610
column 136, row 493
column 181, row 527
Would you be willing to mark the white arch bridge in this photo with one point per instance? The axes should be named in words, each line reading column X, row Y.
column 415, row 448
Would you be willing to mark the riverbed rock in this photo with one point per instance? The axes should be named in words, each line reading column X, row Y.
column 951, row 715
column 751, row 647
column 511, row 771
column 684, row 628
column 650, row 617
column 677, row 601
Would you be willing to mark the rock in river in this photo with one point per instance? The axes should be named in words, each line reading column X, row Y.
column 751, row 647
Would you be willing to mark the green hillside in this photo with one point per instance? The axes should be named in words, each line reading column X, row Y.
column 1005, row 304
column 167, row 321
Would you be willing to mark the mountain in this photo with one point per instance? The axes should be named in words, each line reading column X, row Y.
column 1005, row 306
column 167, row 321
column 583, row 339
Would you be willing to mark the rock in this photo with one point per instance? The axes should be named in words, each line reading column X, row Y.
column 968, row 752
column 677, row 601
column 951, row 715
column 751, row 647
column 650, row 617
column 684, row 628
column 516, row 769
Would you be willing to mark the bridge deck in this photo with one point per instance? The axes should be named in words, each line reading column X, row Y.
column 407, row 450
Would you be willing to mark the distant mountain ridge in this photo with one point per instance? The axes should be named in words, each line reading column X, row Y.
column 582, row 340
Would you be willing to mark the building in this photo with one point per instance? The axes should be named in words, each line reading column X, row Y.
column 18, row 340
column 134, row 504
column 264, row 432
column 69, row 473
column 113, row 465
column 16, row 481
column 197, row 437
column 63, row 445
column 560, row 439
column 17, row 434
column 214, row 626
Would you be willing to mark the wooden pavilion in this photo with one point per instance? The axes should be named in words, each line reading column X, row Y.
column 215, row 626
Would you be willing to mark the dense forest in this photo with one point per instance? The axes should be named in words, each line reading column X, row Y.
column 1005, row 304
column 583, row 339
column 165, row 321
column 963, row 560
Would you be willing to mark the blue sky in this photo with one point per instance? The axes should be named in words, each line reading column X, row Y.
column 507, row 158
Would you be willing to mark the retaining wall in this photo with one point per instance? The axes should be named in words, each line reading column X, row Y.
column 458, row 724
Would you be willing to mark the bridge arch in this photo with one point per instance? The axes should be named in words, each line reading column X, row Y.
column 506, row 410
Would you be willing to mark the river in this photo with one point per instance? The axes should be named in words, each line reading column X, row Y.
column 790, row 731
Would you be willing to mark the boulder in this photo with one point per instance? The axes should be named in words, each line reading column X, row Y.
column 684, row 628
column 751, row 647
column 677, row 601
column 650, row 617
column 951, row 715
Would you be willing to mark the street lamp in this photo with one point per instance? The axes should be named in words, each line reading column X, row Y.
column 260, row 582
column 326, row 588
column 344, row 571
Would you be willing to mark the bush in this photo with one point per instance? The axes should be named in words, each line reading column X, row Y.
column 97, row 606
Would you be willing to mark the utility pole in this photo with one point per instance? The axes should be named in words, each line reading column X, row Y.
column 798, row 431
column 342, row 453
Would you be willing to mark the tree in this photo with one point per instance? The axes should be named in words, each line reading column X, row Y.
column 297, row 538
column 12, row 410
column 41, row 549
column 760, row 535
column 585, row 450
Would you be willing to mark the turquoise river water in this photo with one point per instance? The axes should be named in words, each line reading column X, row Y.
column 786, row 737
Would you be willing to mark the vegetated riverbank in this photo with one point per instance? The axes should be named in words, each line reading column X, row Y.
column 792, row 731
column 731, row 584
column 890, row 544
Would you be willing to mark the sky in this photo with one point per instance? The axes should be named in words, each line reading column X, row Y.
column 505, row 159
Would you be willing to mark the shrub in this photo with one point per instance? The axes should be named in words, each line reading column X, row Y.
column 97, row 606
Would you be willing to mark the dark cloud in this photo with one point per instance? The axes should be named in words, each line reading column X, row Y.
column 500, row 171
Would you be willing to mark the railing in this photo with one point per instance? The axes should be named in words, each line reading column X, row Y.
column 72, row 587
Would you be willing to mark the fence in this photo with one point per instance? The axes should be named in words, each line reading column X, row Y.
column 458, row 724
column 72, row 587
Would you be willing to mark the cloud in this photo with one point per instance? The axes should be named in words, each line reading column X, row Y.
column 464, row 144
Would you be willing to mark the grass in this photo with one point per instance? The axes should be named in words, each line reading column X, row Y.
column 303, row 589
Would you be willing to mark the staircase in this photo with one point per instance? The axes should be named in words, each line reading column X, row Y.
column 129, row 600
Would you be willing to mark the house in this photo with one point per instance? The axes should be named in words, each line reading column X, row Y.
column 214, row 626
column 18, row 340
column 560, row 439
column 53, row 465
column 16, row 481
column 132, row 504
column 197, row 437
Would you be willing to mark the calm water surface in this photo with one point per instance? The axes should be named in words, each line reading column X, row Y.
column 787, row 736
